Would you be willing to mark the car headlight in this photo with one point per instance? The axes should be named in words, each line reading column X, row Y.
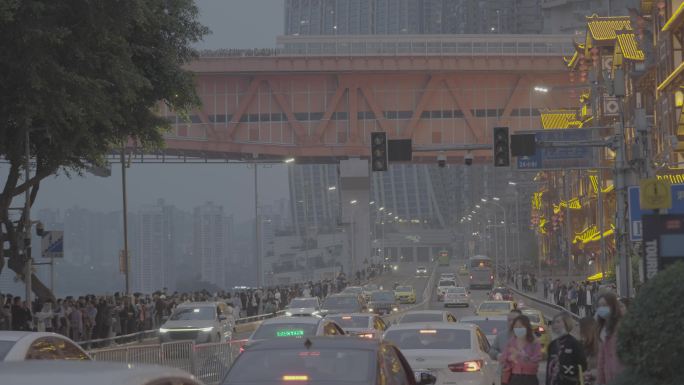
column 395, row 309
column 207, row 329
column 287, row 313
column 370, row 309
column 162, row 330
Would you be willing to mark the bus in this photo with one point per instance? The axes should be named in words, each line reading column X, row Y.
column 481, row 272
column 443, row 258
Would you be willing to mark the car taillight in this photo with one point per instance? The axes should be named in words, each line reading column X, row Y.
column 468, row 366
column 242, row 349
column 540, row 329
column 366, row 335
column 471, row 277
column 491, row 277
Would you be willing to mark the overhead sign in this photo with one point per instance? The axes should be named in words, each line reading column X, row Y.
column 636, row 212
column 52, row 244
column 560, row 157
column 663, row 240
column 655, row 194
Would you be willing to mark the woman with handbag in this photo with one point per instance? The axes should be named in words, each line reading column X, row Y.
column 566, row 360
column 522, row 354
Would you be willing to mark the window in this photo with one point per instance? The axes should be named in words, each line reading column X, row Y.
column 447, row 339
column 393, row 369
column 380, row 324
column 43, row 349
column 70, row 351
column 482, row 340
column 330, row 329
column 451, row 318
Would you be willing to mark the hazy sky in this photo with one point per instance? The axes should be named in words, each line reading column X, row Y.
column 235, row 24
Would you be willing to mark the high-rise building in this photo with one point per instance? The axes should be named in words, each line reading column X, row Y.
column 314, row 198
column 210, row 243
column 569, row 17
column 395, row 17
column 154, row 258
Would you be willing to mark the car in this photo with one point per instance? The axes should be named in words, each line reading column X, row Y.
column 356, row 290
column 442, row 285
column 368, row 289
column 540, row 326
column 324, row 360
column 383, row 302
column 490, row 326
column 294, row 327
column 448, row 276
column 490, row 308
column 421, row 271
column 456, row 296
column 303, row 306
column 423, row 316
column 91, row 372
column 405, row 294
column 344, row 303
column 202, row 322
column 501, row 294
column 25, row 346
column 366, row 325
column 455, row 353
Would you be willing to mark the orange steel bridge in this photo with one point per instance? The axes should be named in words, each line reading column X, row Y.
column 318, row 98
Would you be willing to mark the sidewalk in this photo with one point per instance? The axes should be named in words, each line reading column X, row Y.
column 539, row 293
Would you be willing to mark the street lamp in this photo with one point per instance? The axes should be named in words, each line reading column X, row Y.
column 289, row 160
column 332, row 188
column 541, row 89
column 353, row 202
column 494, row 202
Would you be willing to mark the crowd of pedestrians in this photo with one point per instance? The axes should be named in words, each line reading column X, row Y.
column 92, row 317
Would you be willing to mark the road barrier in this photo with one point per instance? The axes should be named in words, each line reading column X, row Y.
column 544, row 302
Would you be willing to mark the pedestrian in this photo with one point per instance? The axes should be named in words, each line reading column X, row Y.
column 546, row 289
column 566, row 359
column 522, row 354
column 589, row 300
column 21, row 315
column 609, row 315
column 588, row 336
column 501, row 338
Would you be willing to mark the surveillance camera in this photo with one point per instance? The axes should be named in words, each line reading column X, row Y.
column 441, row 160
column 468, row 159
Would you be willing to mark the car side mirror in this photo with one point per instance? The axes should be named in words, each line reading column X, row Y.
column 549, row 322
column 427, row 379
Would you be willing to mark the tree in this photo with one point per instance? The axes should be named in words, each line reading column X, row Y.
column 650, row 338
column 84, row 77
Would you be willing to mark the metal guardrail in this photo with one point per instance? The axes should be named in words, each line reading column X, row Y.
column 544, row 302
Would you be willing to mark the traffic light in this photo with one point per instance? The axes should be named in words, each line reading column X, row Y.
column 379, row 159
column 502, row 156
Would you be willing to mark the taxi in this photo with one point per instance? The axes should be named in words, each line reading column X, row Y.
column 539, row 326
column 494, row 308
column 405, row 294
column 463, row 270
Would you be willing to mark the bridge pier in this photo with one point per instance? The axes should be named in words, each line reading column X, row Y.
column 355, row 202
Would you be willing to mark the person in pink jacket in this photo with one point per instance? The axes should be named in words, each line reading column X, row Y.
column 522, row 354
column 609, row 313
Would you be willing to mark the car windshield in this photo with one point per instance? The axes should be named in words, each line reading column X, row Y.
column 421, row 268
column 429, row 338
column 457, row 290
column 312, row 366
column 489, row 327
column 341, row 302
column 370, row 287
column 501, row 290
column 480, row 263
column 495, row 306
column 404, row 288
column 382, row 296
column 353, row 290
column 5, row 347
column 353, row 322
column 533, row 316
column 447, row 283
column 422, row 317
column 278, row 330
column 304, row 302
column 193, row 313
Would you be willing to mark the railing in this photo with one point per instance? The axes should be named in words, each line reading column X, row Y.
column 207, row 362
column 544, row 302
column 402, row 45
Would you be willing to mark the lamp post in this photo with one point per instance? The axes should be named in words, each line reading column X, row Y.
column 353, row 203
column 495, row 201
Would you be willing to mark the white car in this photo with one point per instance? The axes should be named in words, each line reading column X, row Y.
column 303, row 307
column 365, row 325
column 442, row 286
column 425, row 316
column 421, row 271
column 202, row 322
column 490, row 326
column 93, row 372
column 455, row 353
column 456, row 296
column 23, row 346
column 448, row 276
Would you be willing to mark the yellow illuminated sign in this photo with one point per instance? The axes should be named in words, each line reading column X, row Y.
column 655, row 194
column 591, row 234
column 673, row 178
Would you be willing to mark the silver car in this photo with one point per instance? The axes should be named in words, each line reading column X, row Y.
column 303, row 306
column 202, row 322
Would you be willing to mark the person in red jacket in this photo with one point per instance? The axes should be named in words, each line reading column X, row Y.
column 520, row 359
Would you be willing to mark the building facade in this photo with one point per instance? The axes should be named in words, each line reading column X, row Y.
column 210, row 246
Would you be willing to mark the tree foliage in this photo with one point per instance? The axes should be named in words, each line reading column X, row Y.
column 650, row 337
column 84, row 77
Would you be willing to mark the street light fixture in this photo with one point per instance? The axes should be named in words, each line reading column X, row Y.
column 512, row 184
column 496, row 199
column 484, row 200
column 541, row 89
column 289, row 160
column 353, row 201
column 477, row 206
column 371, row 203
column 332, row 188
column 381, row 209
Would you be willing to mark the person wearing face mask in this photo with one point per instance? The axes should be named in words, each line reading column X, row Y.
column 566, row 355
column 521, row 356
column 502, row 336
column 609, row 313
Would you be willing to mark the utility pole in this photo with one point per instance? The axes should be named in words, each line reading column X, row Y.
column 257, row 225
column 624, row 287
column 127, row 259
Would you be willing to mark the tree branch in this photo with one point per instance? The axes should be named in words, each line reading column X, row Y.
column 39, row 176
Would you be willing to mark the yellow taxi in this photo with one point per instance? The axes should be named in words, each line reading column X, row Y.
column 539, row 326
column 463, row 270
column 494, row 308
column 405, row 294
